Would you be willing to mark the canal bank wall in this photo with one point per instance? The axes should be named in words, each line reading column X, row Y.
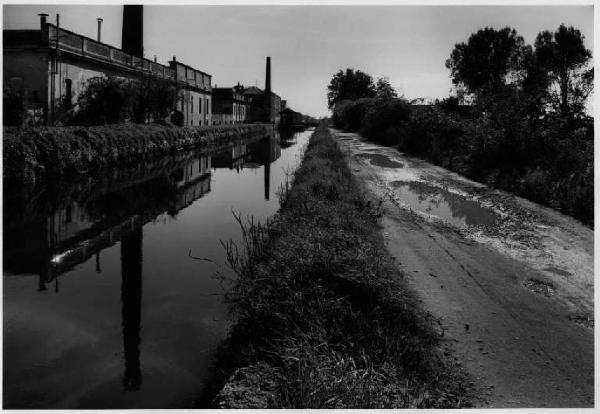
column 322, row 316
column 33, row 154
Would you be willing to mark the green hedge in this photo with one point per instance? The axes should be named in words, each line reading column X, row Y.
column 31, row 154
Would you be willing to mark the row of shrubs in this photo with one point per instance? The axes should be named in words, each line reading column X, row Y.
column 31, row 154
column 548, row 160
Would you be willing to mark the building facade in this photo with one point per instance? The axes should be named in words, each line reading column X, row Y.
column 289, row 117
column 230, row 105
column 49, row 68
column 261, row 107
column 194, row 94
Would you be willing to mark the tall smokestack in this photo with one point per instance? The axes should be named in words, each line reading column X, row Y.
column 268, row 76
column 133, row 30
column 268, row 91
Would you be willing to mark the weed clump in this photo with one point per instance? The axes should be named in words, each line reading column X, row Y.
column 321, row 308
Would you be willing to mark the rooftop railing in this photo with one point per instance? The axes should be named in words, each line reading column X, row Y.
column 83, row 46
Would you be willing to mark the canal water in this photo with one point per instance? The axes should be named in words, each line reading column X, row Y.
column 108, row 301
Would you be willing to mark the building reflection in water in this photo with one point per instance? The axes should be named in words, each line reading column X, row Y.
column 252, row 155
column 131, row 310
column 51, row 240
column 52, row 237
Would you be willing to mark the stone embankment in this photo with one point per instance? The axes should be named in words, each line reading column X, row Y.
column 33, row 154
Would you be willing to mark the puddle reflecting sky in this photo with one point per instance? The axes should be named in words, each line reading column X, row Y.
column 438, row 202
column 381, row 160
column 103, row 307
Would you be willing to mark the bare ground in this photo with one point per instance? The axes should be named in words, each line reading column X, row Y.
column 514, row 297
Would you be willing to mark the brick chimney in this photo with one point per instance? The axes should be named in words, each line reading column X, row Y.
column 133, row 30
column 268, row 91
column 268, row 75
column 44, row 27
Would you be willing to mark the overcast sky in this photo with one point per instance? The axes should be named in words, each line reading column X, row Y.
column 308, row 44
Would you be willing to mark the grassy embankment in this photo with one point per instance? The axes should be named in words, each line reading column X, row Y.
column 323, row 318
column 35, row 153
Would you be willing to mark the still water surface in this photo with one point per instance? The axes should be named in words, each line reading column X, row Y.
column 103, row 305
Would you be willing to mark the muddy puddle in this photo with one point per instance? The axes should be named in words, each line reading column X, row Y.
column 583, row 320
column 443, row 204
column 381, row 160
column 540, row 287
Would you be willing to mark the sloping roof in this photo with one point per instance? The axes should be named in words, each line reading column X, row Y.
column 253, row 90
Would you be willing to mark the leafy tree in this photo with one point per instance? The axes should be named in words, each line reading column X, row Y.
column 349, row 85
column 108, row 100
column 535, row 85
column 384, row 120
column 487, row 61
column 105, row 100
column 563, row 56
column 153, row 98
column 384, row 90
column 350, row 115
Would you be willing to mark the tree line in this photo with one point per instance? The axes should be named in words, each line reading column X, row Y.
column 517, row 119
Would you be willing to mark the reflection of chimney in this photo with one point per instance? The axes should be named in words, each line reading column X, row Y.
column 133, row 30
column 268, row 91
column 99, row 29
column 131, row 311
column 267, row 177
column 268, row 160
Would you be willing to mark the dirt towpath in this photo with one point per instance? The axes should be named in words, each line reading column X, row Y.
column 511, row 282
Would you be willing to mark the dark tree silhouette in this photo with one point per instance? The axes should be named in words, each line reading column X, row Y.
column 384, row 89
column 349, row 85
column 563, row 56
column 484, row 62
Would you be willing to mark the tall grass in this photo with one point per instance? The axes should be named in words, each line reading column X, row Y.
column 323, row 317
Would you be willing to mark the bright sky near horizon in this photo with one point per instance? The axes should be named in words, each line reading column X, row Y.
column 308, row 44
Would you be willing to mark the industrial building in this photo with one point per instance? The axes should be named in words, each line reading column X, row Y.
column 50, row 67
column 230, row 105
column 253, row 104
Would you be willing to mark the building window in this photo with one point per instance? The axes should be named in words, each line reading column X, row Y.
column 68, row 102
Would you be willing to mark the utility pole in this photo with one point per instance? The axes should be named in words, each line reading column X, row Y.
column 53, row 73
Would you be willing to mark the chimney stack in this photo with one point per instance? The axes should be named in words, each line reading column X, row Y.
column 268, row 91
column 43, row 19
column 44, row 27
column 268, row 76
column 133, row 30
column 99, row 28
